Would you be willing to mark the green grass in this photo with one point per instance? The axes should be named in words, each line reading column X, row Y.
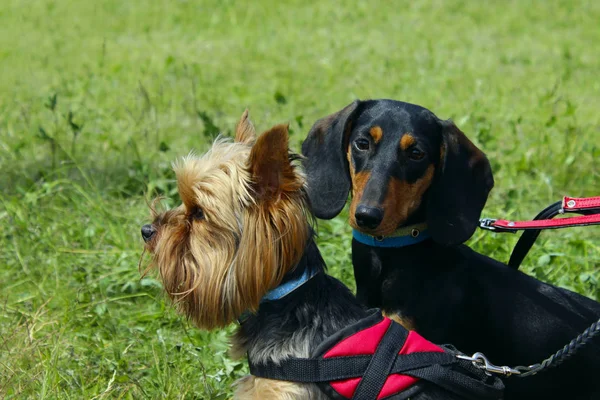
column 97, row 98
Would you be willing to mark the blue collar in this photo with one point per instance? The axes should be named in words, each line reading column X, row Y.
column 286, row 288
column 401, row 238
column 282, row 290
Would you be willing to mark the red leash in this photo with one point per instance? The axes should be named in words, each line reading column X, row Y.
column 589, row 206
column 572, row 204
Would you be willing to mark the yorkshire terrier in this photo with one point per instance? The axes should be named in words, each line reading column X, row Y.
column 241, row 247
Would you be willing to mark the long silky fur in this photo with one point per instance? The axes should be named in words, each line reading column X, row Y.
column 217, row 267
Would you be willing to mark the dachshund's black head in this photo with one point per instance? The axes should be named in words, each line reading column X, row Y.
column 402, row 164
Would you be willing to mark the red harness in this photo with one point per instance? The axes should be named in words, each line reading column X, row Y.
column 365, row 342
column 376, row 358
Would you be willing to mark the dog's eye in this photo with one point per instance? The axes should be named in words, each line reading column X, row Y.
column 416, row 154
column 198, row 213
column 361, row 144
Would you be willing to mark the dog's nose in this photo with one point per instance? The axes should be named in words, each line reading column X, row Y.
column 147, row 232
column 368, row 217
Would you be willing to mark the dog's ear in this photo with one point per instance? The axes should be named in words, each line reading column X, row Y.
column 244, row 130
column 325, row 163
column 460, row 188
column 270, row 165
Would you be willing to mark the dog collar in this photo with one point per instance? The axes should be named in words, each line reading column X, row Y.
column 283, row 290
column 403, row 237
column 288, row 287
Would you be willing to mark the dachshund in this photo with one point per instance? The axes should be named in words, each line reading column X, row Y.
column 418, row 186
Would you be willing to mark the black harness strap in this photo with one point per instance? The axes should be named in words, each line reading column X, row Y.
column 382, row 362
column 442, row 369
column 429, row 363
column 461, row 383
column 405, row 363
column 311, row 370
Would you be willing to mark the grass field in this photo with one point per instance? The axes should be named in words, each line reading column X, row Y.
column 97, row 98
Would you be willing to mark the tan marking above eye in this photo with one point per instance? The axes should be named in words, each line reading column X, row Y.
column 376, row 133
column 406, row 141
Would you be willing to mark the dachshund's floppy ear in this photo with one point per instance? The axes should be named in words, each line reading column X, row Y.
column 459, row 190
column 326, row 165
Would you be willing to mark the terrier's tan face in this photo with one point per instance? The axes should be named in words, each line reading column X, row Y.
column 239, row 229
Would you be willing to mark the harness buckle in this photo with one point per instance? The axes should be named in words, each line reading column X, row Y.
column 486, row 223
column 480, row 361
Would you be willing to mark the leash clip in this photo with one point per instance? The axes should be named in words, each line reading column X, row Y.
column 486, row 223
column 480, row 361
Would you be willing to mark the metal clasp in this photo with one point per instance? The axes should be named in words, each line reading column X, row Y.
column 480, row 361
column 486, row 223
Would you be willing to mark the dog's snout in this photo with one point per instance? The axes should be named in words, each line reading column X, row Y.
column 147, row 232
column 368, row 217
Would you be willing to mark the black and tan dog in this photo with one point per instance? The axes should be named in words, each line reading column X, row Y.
column 241, row 247
column 418, row 186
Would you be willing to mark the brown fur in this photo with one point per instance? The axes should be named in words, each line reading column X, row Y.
column 207, row 262
column 244, row 130
column 241, row 227
column 351, row 168
column 406, row 322
column 253, row 388
column 406, row 141
column 376, row 133
column 359, row 181
column 401, row 200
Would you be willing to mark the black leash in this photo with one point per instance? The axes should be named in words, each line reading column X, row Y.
column 480, row 361
column 564, row 353
column 528, row 238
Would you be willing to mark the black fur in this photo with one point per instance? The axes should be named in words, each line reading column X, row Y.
column 328, row 171
column 453, row 294
column 462, row 180
column 318, row 309
column 460, row 188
